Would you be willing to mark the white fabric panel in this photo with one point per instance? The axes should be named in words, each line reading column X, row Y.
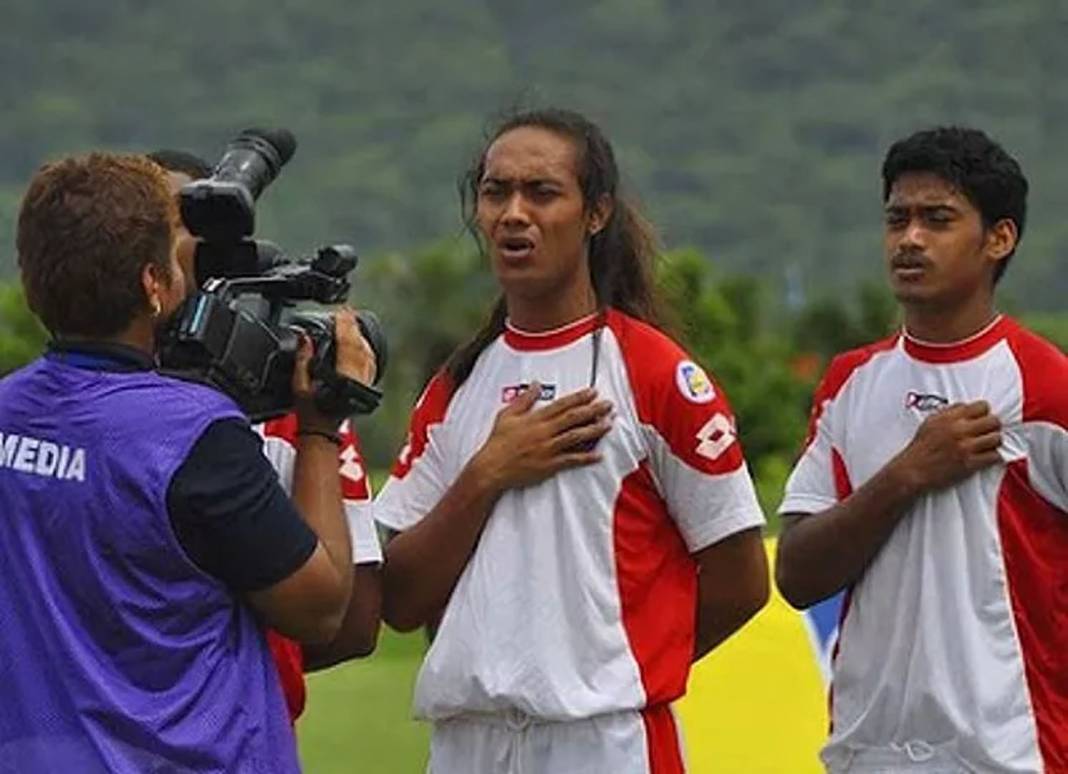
column 404, row 502
column 706, row 508
column 1047, row 455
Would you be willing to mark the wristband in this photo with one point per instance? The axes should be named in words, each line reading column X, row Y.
column 332, row 437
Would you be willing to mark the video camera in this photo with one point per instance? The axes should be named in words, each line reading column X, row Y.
column 239, row 332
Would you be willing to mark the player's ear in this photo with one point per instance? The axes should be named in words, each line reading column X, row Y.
column 599, row 215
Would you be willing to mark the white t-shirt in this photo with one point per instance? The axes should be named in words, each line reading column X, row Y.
column 280, row 448
column 580, row 597
column 956, row 636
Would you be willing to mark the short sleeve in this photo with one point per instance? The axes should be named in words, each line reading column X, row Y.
column 419, row 477
column 1048, row 462
column 359, row 508
column 818, row 480
column 230, row 514
column 280, row 448
column 1044, row 425
column 691, row 436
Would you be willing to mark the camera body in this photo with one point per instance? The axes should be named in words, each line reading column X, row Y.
column 240, row 332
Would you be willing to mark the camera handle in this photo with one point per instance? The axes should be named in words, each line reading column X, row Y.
column 339, row 396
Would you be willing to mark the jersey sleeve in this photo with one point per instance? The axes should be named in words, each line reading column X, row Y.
column 811, row 487
column 230, row 514
column 420, row 475
column 1044, row 425
column 820, row 479
column 356, row 491
column 280, row 448
column 692, row 440
column 1048, row 470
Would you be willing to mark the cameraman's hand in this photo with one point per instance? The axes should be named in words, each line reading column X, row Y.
column 309, row 417
column 951, row 445
column 354, row 358
column 527, row 446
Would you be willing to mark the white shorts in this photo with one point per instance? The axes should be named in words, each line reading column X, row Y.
column 646, row 742
column 909, row 758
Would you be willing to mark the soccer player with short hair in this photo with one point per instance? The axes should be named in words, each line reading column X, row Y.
column 934, row 489
column 572, row 503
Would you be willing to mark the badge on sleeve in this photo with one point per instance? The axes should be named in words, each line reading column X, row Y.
column 694, row 383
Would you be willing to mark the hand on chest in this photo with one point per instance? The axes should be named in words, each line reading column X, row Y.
column 558, row 377
column 881, row 413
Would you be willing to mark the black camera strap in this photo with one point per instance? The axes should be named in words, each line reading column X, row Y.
column 340, row 396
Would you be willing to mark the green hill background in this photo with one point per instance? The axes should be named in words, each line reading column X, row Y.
column 752, row 131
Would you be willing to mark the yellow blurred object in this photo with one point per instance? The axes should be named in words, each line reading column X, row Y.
column 758, row 703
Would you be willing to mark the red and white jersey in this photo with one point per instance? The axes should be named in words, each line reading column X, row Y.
column 580, row 597
column 280, row 448
column 956, row 636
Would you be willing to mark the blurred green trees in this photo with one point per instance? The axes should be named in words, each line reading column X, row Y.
column 21, row 337
column 767, row 358
column 753, row 131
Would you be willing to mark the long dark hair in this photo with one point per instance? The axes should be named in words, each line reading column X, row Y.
column 621, row 255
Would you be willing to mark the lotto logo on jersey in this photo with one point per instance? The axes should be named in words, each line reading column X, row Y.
column 351, row 464
column 694, row 383
column 512, row 391
column 716, row 436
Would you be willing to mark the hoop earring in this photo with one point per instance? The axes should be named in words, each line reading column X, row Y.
column 157, row 307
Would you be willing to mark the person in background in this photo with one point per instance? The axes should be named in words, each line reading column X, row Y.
column 282, row 445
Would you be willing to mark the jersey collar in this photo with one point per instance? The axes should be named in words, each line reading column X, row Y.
column 957, row 351
column 558, row 337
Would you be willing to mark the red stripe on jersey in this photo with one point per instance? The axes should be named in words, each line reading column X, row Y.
column 429, row 411
column 843, row 487
column 289, row 659
column 1044, row 370
column 662, row 740
column 1034, row 544
column 354, row 482
column 657, row 587
column 838, row 372
column 957, row 351
column 699, row 431
column 554, row 339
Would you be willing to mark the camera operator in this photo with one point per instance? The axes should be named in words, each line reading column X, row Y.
column 283, row 448
column 144, row 536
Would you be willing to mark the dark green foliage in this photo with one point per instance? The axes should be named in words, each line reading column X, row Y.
column 752, row 130
column 21, row 336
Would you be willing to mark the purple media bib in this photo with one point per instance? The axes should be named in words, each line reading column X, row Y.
column 117, row 654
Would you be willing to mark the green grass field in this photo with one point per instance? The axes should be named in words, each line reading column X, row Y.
column 357, row 719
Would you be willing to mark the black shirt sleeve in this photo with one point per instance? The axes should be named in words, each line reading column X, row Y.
column 232, row 516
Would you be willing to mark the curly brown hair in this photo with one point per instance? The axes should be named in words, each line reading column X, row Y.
column 86, row 229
